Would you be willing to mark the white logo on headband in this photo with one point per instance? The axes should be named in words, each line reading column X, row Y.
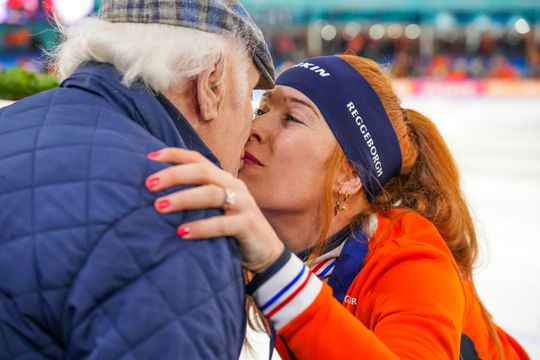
column 367, row 138
column 316, row 69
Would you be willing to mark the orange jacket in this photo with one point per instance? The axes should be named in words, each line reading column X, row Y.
column 408, row 302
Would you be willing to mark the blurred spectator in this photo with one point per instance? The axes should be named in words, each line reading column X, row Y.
column 459, row 69
column 439, row 66
column 501, row 68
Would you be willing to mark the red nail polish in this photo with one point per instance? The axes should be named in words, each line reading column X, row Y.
column 152, row 182
column 183, row 231
column 163, row 204
column 153, row 154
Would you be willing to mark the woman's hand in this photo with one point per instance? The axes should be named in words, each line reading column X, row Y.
column 258, row 244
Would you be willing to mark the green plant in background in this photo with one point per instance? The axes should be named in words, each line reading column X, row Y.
column 18, row 83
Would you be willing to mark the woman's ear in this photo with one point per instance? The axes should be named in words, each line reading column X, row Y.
column 211, row 88
column 348, row 181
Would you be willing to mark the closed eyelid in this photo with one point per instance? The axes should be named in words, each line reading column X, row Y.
column 303, row 104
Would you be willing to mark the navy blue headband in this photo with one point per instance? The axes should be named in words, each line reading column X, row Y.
column 355, row 115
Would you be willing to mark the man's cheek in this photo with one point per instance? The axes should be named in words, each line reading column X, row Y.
column 248, row 121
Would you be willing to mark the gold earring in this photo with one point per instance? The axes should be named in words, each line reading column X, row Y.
column 341, row 202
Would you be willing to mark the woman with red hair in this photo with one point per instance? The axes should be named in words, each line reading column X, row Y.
column 365, row 196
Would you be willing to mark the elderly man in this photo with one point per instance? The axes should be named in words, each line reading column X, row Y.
column 88, row 269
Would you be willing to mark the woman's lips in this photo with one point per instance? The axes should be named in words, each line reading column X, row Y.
column 249, row 159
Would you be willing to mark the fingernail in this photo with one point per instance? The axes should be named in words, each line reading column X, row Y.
column 162, row 204
column 183, row 231
column 152, row 182
column 153, row 154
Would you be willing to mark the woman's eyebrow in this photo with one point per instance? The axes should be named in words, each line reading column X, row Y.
column 300, row 101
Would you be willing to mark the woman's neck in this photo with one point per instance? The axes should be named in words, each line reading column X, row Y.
column 300, row 231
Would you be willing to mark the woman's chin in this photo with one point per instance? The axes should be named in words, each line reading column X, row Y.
column 243, row 174
column 248, row 172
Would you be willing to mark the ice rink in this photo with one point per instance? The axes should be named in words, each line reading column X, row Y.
column 496, row 142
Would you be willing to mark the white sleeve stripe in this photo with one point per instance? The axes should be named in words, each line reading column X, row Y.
column 298, row 304
column 289, row 292
column 281, row 285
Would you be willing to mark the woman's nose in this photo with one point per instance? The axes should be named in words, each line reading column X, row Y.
column 260, row 129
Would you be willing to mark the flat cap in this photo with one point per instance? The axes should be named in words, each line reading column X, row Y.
column 214, row 16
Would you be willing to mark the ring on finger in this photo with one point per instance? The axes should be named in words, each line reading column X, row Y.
column 229, row 198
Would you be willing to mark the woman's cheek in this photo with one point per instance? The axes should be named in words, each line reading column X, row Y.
column 299, row 145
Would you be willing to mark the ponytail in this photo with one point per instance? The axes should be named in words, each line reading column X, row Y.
column 431, row 187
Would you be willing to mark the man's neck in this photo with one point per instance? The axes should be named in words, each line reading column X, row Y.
column 185, row 101
column 185, row 118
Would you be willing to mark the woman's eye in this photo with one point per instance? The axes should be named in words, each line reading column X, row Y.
column 289, row 117
column 258, row 112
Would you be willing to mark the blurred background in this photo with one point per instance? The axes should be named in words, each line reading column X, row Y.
column 451, row 40
column 473, row 66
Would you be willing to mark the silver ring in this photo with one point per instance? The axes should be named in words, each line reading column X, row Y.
column 230, row 198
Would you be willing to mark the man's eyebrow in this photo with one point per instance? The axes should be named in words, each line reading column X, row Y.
column 268, row 94
column 300, row 101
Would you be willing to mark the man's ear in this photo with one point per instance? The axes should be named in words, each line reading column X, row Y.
column 347, row 181
column 210, row 89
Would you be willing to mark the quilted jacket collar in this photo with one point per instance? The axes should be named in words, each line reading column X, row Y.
column 151, row 111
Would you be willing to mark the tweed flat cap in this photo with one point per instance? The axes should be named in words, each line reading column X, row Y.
column 215, row 16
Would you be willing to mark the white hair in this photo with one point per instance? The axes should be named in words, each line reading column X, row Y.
column 159, row 55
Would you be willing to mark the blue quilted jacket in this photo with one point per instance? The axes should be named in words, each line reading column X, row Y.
column 88, row 268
